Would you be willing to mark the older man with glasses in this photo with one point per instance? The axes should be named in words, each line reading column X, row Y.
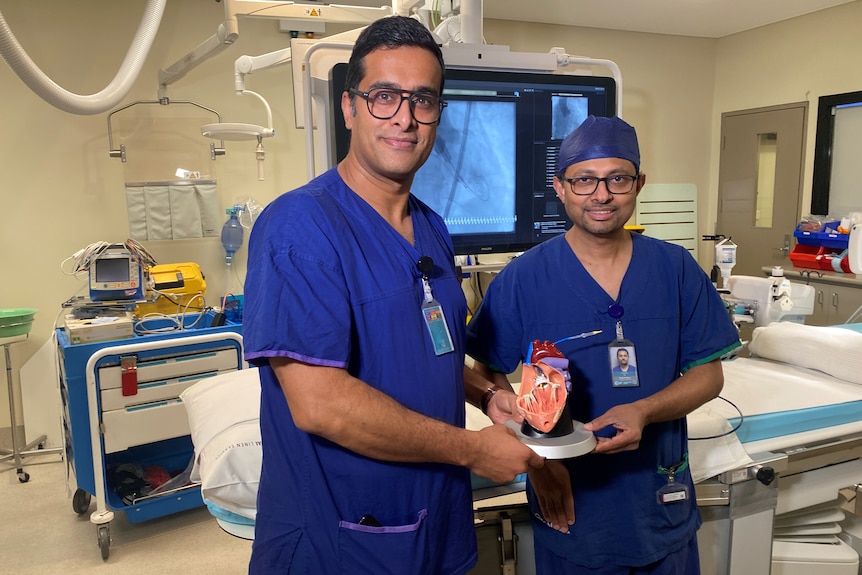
column 628, row 507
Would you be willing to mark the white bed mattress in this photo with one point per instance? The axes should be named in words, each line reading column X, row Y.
column 784, row 405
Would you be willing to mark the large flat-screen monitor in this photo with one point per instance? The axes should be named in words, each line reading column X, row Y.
column 491, row 171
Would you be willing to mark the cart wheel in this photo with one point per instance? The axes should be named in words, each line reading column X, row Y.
column 81, row 501
column 23, row 476
column 105, row 541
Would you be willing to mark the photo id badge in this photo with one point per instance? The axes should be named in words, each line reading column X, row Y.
column 437, row 327
column 624, row 369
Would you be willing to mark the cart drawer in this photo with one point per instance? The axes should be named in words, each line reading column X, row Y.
column 142, row 424
column 150, row 392
column 110, row 377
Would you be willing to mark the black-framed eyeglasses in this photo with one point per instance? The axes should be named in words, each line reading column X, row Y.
column 384, row 103
column 587, row 185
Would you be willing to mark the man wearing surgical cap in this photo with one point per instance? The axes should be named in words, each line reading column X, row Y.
column 628, row 506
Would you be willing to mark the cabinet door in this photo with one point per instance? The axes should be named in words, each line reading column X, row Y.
column 843, row 303
column 821, row 309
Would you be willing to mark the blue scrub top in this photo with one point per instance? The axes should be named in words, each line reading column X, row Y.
column 675, row 319
column 331, row 283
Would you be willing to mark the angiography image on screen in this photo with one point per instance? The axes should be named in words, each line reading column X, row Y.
column 567, row 113
column 469, row 179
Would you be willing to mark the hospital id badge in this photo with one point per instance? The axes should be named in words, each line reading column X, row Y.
column 435, row 319
column 624, row 368
column 672, row 492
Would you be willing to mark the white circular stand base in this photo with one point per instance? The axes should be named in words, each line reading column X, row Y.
column 578, row 442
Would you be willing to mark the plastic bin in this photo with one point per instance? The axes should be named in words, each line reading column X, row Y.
column 822, row 239
column 15, row 322
column 814, row 256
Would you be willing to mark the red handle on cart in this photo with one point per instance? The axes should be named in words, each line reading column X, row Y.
column 129, row 375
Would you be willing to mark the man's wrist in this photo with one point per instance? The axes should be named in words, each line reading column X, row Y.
column 486, row 398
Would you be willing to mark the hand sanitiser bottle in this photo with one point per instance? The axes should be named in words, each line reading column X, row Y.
column 725, row 259
column 231, row 234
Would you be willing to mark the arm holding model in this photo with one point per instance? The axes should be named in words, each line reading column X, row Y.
column 500, row 402
column 329, row 402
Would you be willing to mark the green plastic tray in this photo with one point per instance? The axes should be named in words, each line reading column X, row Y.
column 16, row 321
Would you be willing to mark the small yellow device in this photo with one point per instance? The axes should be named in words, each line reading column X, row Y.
column 174, row 289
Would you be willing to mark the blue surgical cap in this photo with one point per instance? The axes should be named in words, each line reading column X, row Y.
column 599, row 137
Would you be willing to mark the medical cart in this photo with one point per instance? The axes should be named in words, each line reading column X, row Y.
column 121, row 409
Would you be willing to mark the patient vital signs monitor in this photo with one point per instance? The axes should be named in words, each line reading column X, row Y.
column 490, row 175
column 115, row 274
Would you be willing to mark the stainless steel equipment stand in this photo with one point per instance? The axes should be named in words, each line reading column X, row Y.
column 738, row 509
column 18, row 452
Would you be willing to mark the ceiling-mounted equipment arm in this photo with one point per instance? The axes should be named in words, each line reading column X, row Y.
column 248, row 64
column 228, row 30
column 90, row 104
column 564, row 59
column 226, row 35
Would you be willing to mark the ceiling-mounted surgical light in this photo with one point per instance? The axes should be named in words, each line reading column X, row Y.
column 235, row 131
column 239, row 132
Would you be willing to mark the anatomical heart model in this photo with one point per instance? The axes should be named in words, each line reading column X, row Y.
column 544, row 389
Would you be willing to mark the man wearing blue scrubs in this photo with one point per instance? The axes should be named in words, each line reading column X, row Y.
column 355, row 315
column 629, row 507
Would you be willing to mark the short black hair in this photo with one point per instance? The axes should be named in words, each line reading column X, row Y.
column 389, row 32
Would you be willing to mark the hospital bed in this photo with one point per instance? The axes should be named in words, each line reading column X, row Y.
column 770, row 492
column 785, row 442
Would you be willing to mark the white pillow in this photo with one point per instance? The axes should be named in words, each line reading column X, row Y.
column 833, row 350
column 223, row 414
column 230, row 469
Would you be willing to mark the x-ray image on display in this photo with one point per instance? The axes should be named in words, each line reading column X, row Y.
column 567, row 112
column 469, row 179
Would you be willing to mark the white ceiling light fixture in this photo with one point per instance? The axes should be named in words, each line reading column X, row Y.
column 239, row 131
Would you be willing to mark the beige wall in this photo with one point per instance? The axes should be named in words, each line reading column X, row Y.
column 796, row 60
column 62, row 192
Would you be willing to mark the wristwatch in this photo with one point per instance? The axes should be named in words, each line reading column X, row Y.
column 486, row 397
